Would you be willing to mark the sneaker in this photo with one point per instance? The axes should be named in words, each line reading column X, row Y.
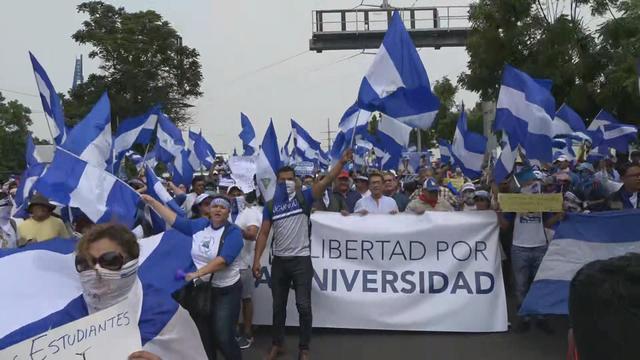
column 245, row 342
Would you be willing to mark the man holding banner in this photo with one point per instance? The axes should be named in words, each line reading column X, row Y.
column 289, row 212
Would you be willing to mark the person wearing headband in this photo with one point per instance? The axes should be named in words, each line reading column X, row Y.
column 216, row 244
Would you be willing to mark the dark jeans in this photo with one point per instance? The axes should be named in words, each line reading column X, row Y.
column 525, row 262
column 284, row 271
column 218, row 332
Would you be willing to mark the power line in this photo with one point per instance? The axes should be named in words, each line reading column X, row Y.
column 19, row 92
column 265, row 67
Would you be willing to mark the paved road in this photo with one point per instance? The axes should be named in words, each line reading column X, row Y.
column 374, row 345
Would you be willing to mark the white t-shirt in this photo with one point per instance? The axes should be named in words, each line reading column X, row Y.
column 384, row 205
column 188, row 203
column 248, row 217
column 528, row 230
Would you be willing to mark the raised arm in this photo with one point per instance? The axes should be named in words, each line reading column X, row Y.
column 319, row 187
column 167, row 214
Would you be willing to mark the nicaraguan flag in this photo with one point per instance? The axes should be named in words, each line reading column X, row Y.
column 305, row 147
column 170, row 143
column 468, row 149
column 191, row 143
column 579, row 239
column 24, row 191
column 524, row 111
column 91, row 138
column 397, row 84
column 567, row 122
column 392, row 138
column 268, row 163
column 47, row 271
column 564, row 146
column 181, row 170
column 31, row 155
column 100, row 195
column 354, row 120
column 156, row 189
column 285, row 153
column 135, row 130
column 606, row 131
column 505, row 162
column 50, row 102
column 445, row 151
column 202, row 149
column 248, row 136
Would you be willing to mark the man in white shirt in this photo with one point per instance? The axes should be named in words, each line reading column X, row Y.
column 376, row 203
column 197, row 188
column 248, row 220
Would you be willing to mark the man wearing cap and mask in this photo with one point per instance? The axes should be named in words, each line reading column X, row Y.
column 197, row 188
column 288, row 214
column 529, row 244
column 362, row 185
column 467, row 195
column 342, row 188
column 41, row 225
column 429, row 199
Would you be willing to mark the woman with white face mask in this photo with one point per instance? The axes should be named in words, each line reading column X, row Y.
column 107, row 265
column 8, row 228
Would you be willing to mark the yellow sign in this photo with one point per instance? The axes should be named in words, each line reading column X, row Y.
column 456, row 182
column 530, row 202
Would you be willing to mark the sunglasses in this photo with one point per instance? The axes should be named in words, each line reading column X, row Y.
column 110, row 260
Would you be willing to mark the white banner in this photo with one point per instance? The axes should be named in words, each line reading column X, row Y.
column 109, row 334
column 243, row 168
column 435, row 272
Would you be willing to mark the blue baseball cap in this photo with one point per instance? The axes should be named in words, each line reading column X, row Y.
column 431, row 185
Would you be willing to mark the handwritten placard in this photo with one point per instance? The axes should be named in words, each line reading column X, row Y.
column 109, row 334
column 530, row 202
column 243, row 168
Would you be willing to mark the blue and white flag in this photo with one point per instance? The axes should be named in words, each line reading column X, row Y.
column 100, row 195
column 47, row 271
column 567, row 122
column 468, row 149
column 31, row 155
column 564, row 146
column 50, row 102
column 135, row 158
column 285, row 153
column 170, row 143
column 353, row 121
column 607, row 131
column 181, row 169
column 445, row 151
column 268, row 163
column 91, row 138
column 156, row 189
column 305, row 147
column 191, row 144
column 397, row 84
column 505, row 162
column 202, row 149
column 248, row 136
column 392, row 138
column 25, row 189
column 524, row 111
column 579, row 240
column 135, row 130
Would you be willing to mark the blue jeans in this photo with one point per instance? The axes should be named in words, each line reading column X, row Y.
column 525, row 263
column 218, row 333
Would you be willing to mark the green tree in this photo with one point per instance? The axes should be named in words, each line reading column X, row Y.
column 14, row 127
column 446, row 118
column 590, row 69
column 142, row 63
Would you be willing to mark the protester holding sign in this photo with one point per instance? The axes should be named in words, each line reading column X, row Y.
column 429, row 199
column 107, row 264
column 216, row 245
column 342, row 188
column 288, row 212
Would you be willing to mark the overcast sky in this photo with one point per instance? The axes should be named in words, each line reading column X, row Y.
column 237, row 41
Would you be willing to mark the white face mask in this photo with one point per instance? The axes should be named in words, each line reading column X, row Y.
column 291, row 187
column 102, row 288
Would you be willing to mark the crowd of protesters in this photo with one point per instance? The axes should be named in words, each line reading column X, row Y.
column 214, row 202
